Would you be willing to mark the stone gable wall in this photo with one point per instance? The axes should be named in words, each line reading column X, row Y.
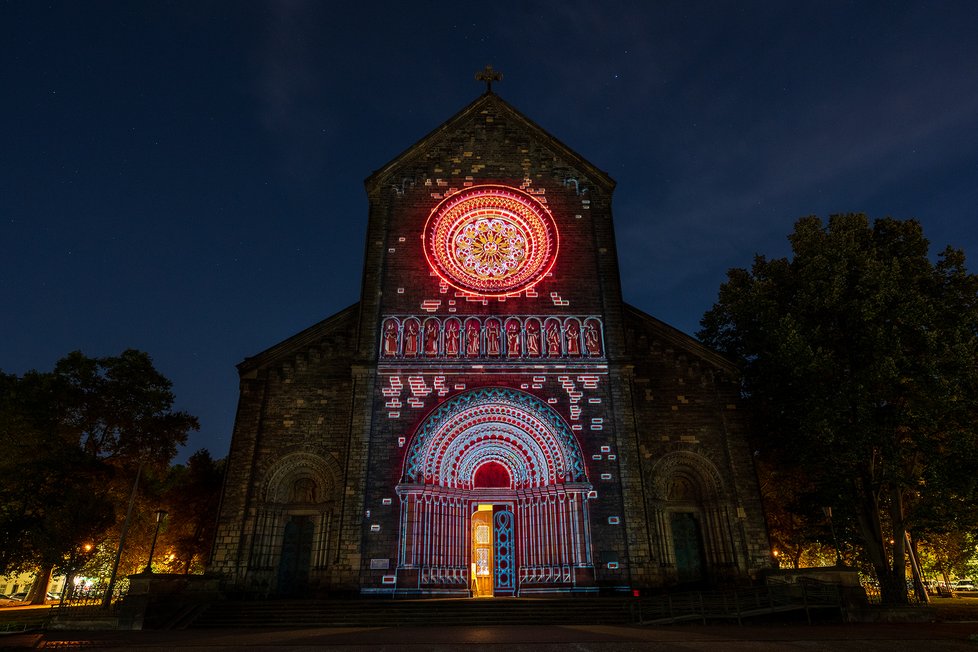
column 683, row 404
column 303, row 403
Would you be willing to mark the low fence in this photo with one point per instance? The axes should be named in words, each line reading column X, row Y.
column 741, row 603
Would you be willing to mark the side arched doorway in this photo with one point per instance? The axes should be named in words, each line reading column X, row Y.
column 293, row 527
column 494, row 500
column 694, row 520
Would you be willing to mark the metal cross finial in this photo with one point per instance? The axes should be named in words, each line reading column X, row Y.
column 489, row 76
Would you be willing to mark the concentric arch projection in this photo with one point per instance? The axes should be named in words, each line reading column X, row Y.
column 510, row 428
column 491, row 240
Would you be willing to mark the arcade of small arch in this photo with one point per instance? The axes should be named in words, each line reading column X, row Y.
column 472, row 337
column 536, row 470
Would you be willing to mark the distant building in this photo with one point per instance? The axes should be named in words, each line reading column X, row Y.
column 22, row 582
column 490, row 418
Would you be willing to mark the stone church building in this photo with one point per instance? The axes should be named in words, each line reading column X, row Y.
column 491, row 418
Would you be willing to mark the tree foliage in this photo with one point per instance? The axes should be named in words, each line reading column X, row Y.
column 121, row 408
column 859, row 357
column 52, row 493
column 192, row 496
column 948, row 554
column 69, row 441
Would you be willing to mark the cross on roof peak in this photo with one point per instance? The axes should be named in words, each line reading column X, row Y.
column 488, row 75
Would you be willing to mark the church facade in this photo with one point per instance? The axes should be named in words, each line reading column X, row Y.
column 490, row 419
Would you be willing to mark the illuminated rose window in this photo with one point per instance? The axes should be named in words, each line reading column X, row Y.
column 491, row 240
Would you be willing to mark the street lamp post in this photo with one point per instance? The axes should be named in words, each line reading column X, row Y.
column 160, row 515
column 75, row 561
column 835, row 541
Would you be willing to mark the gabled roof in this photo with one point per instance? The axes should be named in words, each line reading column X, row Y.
column 681, row 340
column 490, row 100
column 301, row 340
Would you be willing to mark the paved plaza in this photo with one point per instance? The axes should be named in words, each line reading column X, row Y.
column 861, row 638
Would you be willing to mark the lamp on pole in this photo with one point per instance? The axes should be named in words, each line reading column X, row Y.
column 75, row 561
column 160, row 515
column 835, row 541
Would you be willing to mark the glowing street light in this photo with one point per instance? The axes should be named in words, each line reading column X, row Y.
column 75, row 562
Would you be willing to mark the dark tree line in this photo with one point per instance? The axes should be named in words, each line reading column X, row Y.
column 71, row 443
column 860, row 360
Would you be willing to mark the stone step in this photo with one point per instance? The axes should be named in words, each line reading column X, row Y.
column 365, row 612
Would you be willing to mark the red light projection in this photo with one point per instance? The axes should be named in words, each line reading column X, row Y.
column 491, row 337
column 491, row 240
column 492, row 474
column 504, row 453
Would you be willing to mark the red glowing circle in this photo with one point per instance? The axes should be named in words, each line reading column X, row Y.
column 491, row 240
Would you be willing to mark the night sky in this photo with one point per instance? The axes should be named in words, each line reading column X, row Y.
column 186, row 178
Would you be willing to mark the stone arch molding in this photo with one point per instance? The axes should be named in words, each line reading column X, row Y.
column 691, row 466
column 296, row 467
column 502, row 425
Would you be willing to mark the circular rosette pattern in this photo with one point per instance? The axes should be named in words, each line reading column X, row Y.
column 491, row 240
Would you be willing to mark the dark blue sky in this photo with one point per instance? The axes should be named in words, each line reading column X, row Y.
column 186, row 178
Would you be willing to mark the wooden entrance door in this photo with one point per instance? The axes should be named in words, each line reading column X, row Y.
column 503, row 558
column 293, row 568
column 688, row 546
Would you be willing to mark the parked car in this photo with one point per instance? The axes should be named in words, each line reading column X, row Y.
column 965, row 585
column 7, row 601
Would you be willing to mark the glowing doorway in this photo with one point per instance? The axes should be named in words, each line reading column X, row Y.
column 492, row 551
column 482, row 557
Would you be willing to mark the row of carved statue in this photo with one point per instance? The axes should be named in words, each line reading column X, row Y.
column 474, row 337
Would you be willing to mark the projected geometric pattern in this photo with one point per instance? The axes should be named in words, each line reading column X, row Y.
column 490, row 240
column 509, row 449
column 513, row 337
column 505, row 426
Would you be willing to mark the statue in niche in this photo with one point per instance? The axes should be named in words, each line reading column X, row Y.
column 472, row 339
column 681, row 489
column 431, row 337
column 390, row 337
column 492, row 338
column 513, row 338
column 411, row 338
column 573, row 333
column 451, row 338
column 303, row 491
column 592, row 340
column 553, row 339
column 533, row 338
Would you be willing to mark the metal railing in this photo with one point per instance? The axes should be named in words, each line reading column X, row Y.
column 740, row 603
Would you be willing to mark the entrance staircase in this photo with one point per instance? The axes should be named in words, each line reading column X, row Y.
column 803, row 598
column 386, row 613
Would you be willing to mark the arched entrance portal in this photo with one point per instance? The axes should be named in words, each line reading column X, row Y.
column 494, row 500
